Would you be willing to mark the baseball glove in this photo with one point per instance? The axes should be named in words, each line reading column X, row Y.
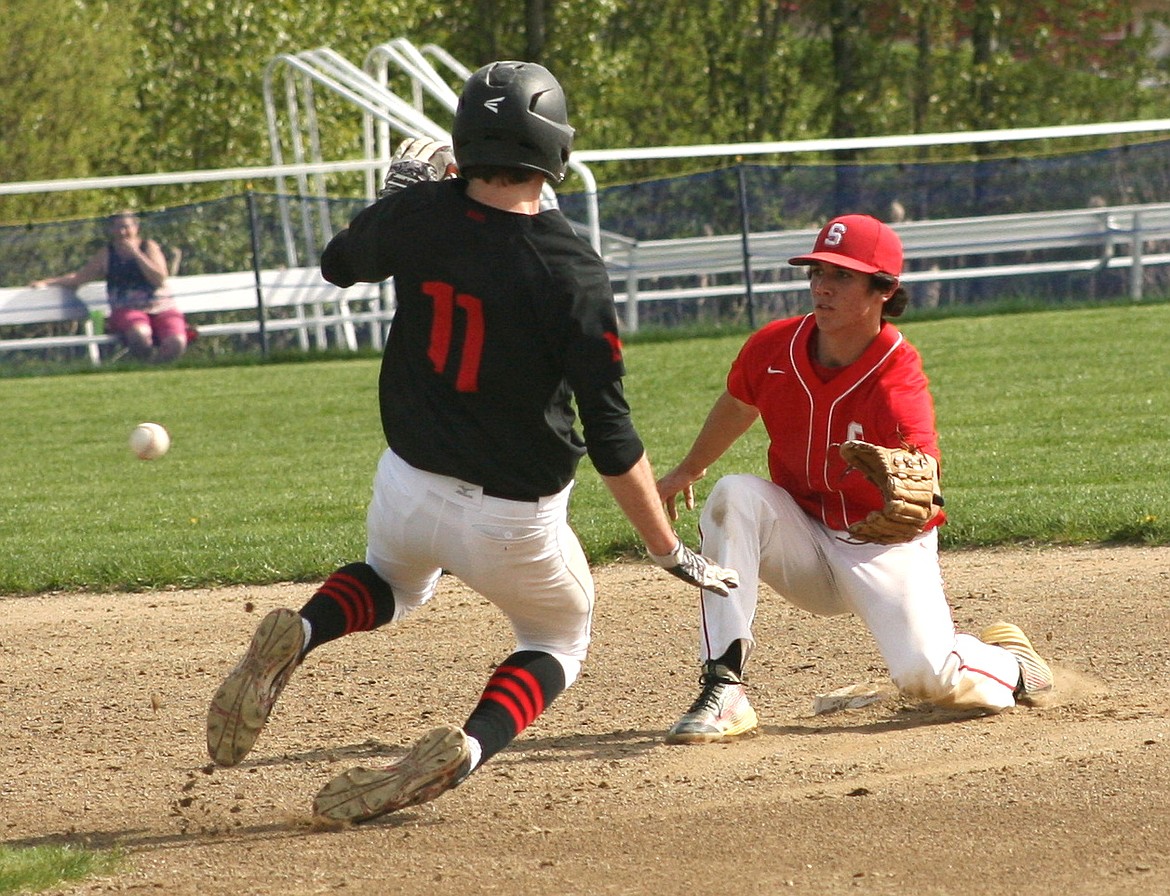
column 908, row 481
column 417, row 159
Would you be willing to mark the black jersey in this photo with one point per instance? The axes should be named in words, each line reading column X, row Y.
column 501, row 320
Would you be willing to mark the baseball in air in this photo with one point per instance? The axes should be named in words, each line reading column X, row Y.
column 149, row 441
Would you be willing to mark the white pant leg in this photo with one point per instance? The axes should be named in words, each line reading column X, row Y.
column 400, row 525
column 754, row 526
column 897, row 591
column 521, row 556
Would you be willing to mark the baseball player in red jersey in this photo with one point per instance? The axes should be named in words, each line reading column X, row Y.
column 504, row 317
column 838, row 374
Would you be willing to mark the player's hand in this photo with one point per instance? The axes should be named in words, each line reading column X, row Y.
column 418, row 159
column 695, row 569
column 676, row 483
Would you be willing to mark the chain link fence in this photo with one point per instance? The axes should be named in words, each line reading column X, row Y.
column 254, row 231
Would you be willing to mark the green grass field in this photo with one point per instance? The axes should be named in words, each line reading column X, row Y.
column 1055, row 429
column 40, row 867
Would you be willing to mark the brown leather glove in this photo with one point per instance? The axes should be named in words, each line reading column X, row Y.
column 908, row 481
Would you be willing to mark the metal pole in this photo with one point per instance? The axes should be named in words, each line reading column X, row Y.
column 254, row 226
column 1136, row 274
column 747, row 253
column 632, row 296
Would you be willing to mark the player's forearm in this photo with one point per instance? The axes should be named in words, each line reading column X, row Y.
column 728, row 419
column 335, row 265
column 636, row 495
column 359, row 253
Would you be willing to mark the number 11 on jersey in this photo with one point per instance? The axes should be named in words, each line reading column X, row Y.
column 446, row 300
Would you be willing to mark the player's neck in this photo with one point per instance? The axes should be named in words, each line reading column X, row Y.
column 520, row 199
column 842, row 349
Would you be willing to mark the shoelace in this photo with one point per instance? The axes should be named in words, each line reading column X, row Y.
column 708, row 698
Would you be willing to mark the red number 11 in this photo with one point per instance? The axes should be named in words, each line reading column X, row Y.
column 445, row 299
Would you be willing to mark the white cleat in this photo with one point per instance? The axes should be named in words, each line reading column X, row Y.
column 243, row 702
column 1036, row 678
column 436, row 763
column 721, row 710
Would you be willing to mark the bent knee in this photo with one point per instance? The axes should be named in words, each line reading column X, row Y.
column 728, row 497
column 732, row 484
column 923, row 682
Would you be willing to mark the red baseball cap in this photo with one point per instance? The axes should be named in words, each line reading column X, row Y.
column 858, row 243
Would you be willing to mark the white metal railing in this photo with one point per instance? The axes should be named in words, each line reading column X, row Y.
column 1129, row 237
column 293, row 300
column 1098, row 233
column 383, row 113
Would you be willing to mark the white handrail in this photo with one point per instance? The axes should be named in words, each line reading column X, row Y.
column 895, row 141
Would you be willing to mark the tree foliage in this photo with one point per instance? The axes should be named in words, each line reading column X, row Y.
column 66, row 104
column 172, row 85
column 202, row 84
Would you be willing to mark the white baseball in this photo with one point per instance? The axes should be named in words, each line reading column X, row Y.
column 149, row 441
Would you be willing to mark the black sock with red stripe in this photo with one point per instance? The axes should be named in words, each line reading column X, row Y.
column 519, row 690
column 352, row 599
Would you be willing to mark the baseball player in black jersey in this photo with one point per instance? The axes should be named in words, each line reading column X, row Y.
column 504, row 319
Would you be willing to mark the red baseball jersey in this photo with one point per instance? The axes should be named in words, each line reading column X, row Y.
column 883, row 397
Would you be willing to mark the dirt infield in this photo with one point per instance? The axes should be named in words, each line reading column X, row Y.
column 103, row 746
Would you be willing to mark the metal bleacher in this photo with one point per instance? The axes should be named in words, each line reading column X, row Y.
column 386, row 117
column 1078, row 240
column 1128, row 238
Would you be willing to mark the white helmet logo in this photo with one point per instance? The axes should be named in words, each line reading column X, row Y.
column 835, row 235
column 493, row 105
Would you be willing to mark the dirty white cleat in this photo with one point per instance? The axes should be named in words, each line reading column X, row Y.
column 243, row 702
column 721, row 710
column 438, row 762
column 1036, row 678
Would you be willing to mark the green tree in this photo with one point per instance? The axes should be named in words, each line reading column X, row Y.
column 66, row 101
column 170, row 85
column 1044, row 63
column 201, row 89
column 694, row 71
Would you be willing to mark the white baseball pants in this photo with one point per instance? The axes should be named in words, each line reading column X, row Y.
column 522, row 556
column 754, row 526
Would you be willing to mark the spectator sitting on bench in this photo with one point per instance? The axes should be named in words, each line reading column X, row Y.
column 142, row 312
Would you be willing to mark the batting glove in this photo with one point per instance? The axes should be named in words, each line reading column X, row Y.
column 695, row 569
column 417, row 159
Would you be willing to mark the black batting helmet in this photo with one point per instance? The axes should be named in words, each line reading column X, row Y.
column 513, row 114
